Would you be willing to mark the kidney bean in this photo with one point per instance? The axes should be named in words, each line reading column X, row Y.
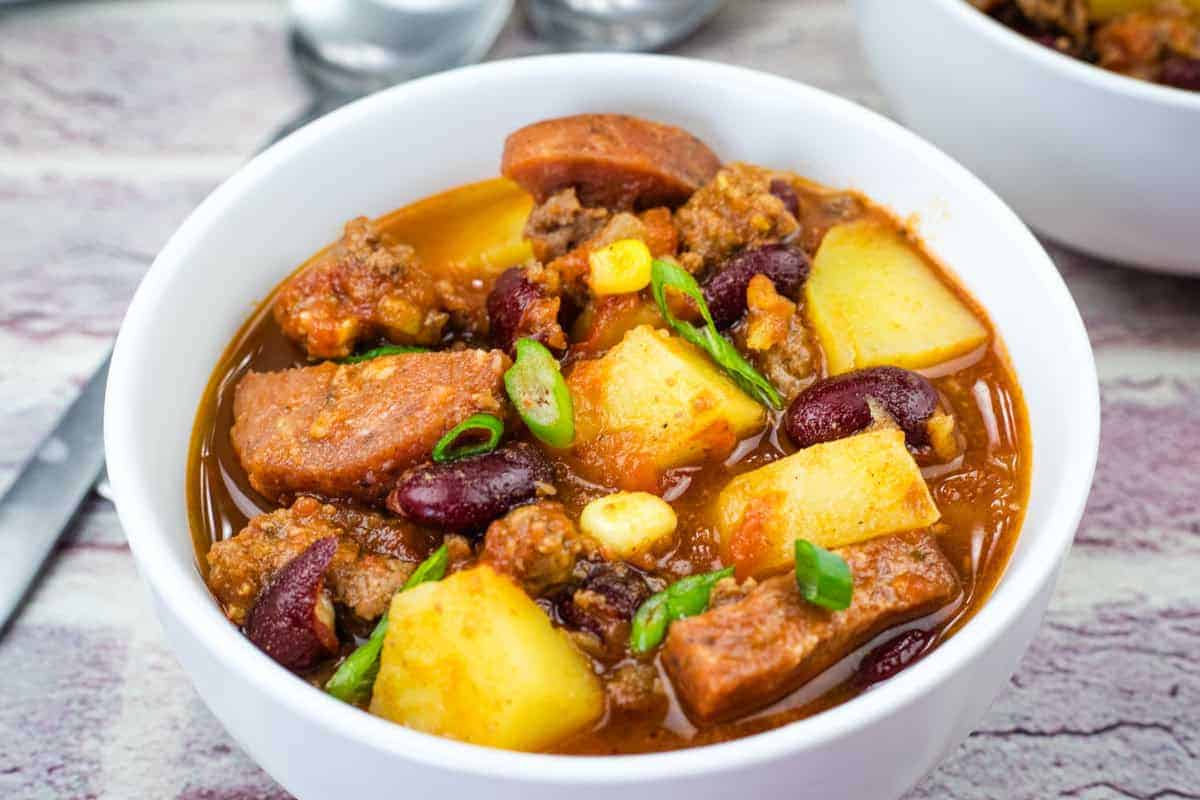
column 892, row 656
column 623, row 589
column 292, row 621
column 725, row 291
column 466, row 495
column 506, row 304
column 1181, row 72
column 837, row 407
column 784, row 191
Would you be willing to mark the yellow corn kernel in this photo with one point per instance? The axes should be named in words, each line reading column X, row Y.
column 628, row 524
column 620, row 268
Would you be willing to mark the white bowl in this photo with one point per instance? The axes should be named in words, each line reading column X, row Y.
column 395, row 147
column 1098, row 161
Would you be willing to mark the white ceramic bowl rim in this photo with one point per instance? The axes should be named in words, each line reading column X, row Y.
column 195, row 608
column 1088, row 73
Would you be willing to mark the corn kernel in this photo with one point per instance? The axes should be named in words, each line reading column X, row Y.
column 629, row 524
column 620, row 268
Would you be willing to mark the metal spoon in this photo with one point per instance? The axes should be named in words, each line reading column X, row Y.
column 47, row 493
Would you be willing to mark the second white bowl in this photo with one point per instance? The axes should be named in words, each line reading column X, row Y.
column 1101, row 162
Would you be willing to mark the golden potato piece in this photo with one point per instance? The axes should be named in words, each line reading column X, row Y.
column 874, row 300
column 474, row 659
column 832, row 494
column 655, row 402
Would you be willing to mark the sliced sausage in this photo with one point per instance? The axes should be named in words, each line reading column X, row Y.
column 612, row 160
column 350, row 430
column 743, row 655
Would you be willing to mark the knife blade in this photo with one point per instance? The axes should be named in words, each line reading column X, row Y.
column 41, row 502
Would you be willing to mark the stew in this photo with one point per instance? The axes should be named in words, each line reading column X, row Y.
column 629, row 450
column 1153, row 40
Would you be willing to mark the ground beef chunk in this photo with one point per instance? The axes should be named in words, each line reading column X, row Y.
column 603, row 603
column 1068, row 16
column 745, row 654
column 561, row 224
column 790, row 364
column 1061, row 24
column 1146, row 44
column 537, row 545
column 635, row 688
column 364, row 288
column 375, row 555
column 734, row 210
column 350, row 430
column 612, row 160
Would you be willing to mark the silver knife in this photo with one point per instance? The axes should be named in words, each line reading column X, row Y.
column 48, row 491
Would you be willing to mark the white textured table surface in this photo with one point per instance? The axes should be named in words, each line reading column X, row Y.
column 117, row 118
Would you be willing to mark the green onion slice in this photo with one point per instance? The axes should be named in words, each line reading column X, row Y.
column 537, row 389
column 684, row 598
column 664, row 274
column 491, row 427
column 386, row 350
column 649, row 626
column 430, row 570
column 824, row 578
column 355, row 677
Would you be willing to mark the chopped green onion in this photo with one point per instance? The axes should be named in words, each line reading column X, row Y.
column 430, row 570
column 537, row 389
column 684, row 598
column 824, row 578
column 649, row 624
column 445, row 450
column 665, row 274
column 386, row 350
column 355, row 677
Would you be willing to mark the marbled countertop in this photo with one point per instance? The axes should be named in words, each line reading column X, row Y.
column 117, row 118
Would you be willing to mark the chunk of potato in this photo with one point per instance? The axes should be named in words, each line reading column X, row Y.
column 651, row 403
column 628, row 525
column 474, row 232
column 473, row 658
column 832, row 494
column 1107, row 9
column 874, row 300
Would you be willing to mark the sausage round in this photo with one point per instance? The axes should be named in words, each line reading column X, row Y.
column 612, row 160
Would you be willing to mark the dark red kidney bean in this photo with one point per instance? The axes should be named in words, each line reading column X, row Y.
column 784, row 191
column 1181, row 72
column 292, row 620
column 725, row 291
column 623, row 589
column 466, row 495
column 892, row 656
column 506, row 305
column 837, row 407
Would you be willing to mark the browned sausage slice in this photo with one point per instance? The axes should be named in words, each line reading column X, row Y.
column 612, row 160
